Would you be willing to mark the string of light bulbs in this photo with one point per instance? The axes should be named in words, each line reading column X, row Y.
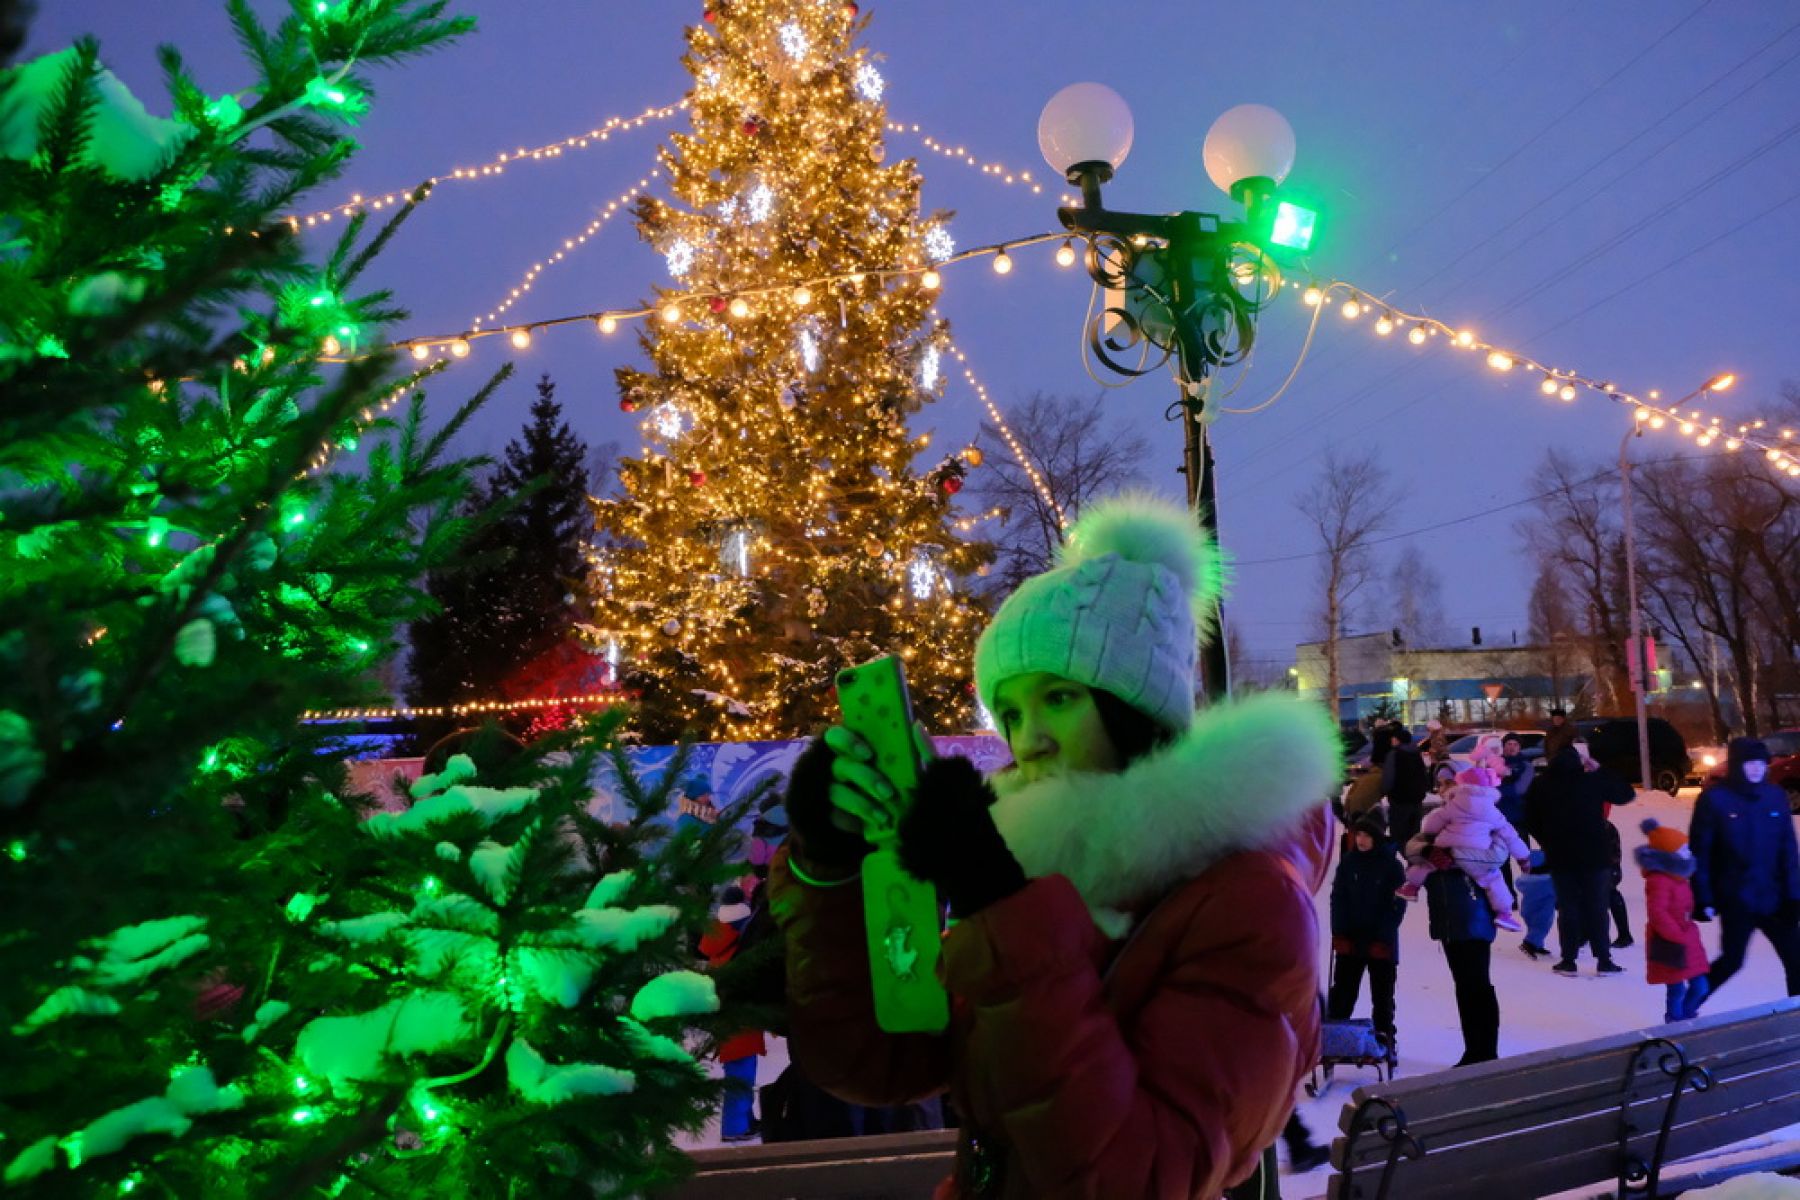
column 464, row 709
column 613, row 207
column 1782, row 452
column 995, row 170
column 735, row 302
column 1006, row 435
column 494, row 166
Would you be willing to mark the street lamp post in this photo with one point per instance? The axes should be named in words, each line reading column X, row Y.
column 1187, row 284
column 1638, row 663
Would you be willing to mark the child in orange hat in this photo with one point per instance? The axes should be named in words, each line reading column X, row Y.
column 1673, row 953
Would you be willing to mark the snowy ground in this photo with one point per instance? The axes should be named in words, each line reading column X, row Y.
column 1537, row 1008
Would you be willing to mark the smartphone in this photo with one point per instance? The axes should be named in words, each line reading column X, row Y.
column 901, row 915
column 876, row 707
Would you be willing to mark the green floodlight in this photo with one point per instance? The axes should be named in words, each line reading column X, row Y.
column 1294, row 226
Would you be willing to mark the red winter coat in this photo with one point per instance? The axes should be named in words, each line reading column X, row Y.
column 1669, row 902
column 1158, row 1065
column 720, row 944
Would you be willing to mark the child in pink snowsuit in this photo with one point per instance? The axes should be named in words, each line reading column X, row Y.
column 1469, row 826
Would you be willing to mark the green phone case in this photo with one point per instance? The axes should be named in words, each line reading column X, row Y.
column 901, row 915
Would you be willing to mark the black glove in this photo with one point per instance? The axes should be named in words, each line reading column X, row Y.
column 948, row 838
column 818, row 839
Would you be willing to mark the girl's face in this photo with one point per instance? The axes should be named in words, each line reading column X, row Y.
column 1052, row 726
column 1364, row 842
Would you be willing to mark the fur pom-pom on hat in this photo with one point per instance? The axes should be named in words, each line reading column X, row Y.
column 1116, row 612
column 1143, row 528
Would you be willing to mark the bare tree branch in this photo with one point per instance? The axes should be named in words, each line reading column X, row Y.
column 1078, row 451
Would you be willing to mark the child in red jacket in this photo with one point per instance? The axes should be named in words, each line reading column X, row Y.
column 1673, row 953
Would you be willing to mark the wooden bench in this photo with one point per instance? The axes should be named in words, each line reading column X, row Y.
column 1614, row 1111
column 891, row 1166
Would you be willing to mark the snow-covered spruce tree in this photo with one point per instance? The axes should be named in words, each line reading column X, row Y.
column 782, row 523
column 217, row 978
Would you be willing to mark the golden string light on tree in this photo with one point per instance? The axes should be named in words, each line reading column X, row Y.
column 569, row 245
column 493, row 167
column 467, row 708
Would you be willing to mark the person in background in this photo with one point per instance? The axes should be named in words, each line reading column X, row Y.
column 1405, row 783
column 739, row 1053
column 1559, row 737
column 1516, row 782
column 1437, row 742
column 1463, row 924
column 1673, row 953
column 1615, row 903
column 1365, row 925
column 1469, row 825
column 1746, row 869
column 1537, row 904
column 1566, row 812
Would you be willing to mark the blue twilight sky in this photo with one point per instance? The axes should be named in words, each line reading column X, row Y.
column 1609, row 185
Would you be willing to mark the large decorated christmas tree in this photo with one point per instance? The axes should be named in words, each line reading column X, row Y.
column 220, row 974
column 782, row 521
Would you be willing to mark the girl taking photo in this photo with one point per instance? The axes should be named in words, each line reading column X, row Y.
column 1133, row 960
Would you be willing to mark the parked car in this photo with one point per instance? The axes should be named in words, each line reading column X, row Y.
column 1784, row 763
column 1612, row 742
column 1487, row 741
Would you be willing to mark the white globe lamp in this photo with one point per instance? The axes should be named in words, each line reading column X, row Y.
column 1085, row 129
column 1248, row 151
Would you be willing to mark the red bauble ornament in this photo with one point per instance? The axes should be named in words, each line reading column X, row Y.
column 627, row 404
column 951, row 485
column 849, row 10
column 717, row 304
column 697, row 478
column 709, row 16
column 752, row 127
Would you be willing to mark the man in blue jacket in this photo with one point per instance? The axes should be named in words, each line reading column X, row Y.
column 1747, row 864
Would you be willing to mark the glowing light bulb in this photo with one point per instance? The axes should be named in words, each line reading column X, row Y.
column 1416, row 335
column 1385, row 325
column 1313, row 297
column 671, row 313
column 930, row 281
column 521, row 338
column 1500, row 361
column 1548, row 386
column 608, row 323
column 1002, row 263
column 1465, row 338
column 1065, row 255
column 803, row 296
column 740, row 307
column 331, row 345
column 421, row 352
column 1351, row 310
column 460, row 348
column 1657, row 421
column 1642, row 414
column 1774, row 456
column 1568, row 391
column 1732, row 443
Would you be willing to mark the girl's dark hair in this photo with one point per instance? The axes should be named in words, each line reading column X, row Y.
column 1133, row 734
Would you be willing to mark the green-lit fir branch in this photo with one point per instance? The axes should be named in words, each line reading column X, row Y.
column 202, row 915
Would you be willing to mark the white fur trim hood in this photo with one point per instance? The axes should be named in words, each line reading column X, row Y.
column 1241, row 777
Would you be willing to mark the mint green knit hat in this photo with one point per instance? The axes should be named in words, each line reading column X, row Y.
column 1117, row 612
